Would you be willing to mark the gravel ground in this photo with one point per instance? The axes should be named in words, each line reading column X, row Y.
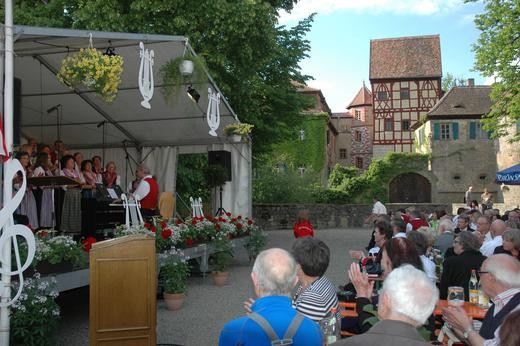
column 207, row 307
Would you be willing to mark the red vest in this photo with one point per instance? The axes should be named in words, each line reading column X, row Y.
column 150, row 200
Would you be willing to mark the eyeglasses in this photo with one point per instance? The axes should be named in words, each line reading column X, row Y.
column 480, row 272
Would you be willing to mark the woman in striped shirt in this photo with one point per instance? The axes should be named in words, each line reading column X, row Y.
column 315, row 295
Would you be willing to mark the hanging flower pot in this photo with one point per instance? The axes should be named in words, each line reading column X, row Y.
column 96, row 71
column 186, row 68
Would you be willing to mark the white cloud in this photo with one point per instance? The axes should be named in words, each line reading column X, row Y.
column 419, row 7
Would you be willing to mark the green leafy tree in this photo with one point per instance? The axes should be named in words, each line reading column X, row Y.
column 341, row 173
column 254, row 61
column 451, row 81
column 497, row 56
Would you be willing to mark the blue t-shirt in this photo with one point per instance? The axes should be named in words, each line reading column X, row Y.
column 279, row 312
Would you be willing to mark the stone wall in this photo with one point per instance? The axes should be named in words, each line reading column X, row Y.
column 283, row 216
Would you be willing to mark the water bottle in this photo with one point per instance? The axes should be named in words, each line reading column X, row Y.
column 473, row 288
column 331, row 327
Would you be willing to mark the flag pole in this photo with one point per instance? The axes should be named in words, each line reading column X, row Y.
column 7, row 195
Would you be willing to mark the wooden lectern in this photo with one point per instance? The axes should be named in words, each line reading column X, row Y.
column 123, row 292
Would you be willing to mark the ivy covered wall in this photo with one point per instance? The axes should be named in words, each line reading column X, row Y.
column 374, row 181
column 309, row 152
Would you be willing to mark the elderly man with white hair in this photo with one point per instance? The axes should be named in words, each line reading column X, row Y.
column 500, row 280
column 147, row 191
column 273, row 319
column 407, row 300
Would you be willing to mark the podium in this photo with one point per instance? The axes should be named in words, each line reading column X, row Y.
column 123, row 292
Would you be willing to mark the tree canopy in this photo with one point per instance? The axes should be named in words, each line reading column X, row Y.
column 253, row 59
column 497, row 55
column 451, row 81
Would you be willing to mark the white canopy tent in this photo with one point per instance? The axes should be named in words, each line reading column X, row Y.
column 129, row 133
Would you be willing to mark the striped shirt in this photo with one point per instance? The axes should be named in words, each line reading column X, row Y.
column 316, row 300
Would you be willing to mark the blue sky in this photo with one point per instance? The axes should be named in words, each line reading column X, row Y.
column 342, row 30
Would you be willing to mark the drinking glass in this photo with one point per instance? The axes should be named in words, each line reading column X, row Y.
column 455, row 296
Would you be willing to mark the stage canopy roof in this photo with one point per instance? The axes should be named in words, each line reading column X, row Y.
column 509, row 176
column 179, row 122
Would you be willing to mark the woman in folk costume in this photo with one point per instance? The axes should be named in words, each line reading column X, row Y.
column 71, row 210
column 28, row 205
column 44, row 168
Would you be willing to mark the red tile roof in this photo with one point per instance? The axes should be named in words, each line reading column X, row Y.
column 405, row 57
column 363, row 98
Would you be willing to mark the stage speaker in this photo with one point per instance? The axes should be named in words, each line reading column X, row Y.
column 17, row 110
column 221, row 158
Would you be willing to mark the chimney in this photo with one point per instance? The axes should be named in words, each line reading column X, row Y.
column 471, row 82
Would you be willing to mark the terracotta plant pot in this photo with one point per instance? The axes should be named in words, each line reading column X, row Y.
column 220, row 278
column 173, row 301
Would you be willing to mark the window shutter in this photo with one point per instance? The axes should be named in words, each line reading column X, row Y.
column 455, row 128
column 436, row 131
column 472, row 130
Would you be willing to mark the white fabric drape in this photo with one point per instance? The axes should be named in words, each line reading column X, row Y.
column 237, row 194
column 162, row 162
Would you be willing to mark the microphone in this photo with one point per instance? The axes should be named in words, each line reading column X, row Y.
column 54, row 108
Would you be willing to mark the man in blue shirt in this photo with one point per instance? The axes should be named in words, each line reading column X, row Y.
column 273, row 276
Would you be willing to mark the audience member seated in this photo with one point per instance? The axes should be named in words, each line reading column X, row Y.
column 303, row 227
column 463, row 224
column 407, row 299
column 71, row 210
column 444, row 240
column 382, row 233
column 28, row 205
column 457, row 269
column 419, row 240
column 510, row 243
column 89, row 177
column 273, row 276
column 110, row 177
column 315, row 294
column 148, row 191
column 514, row 215
column 500, row 280
column 44, row 168
column 509, row 332
column 498, row 227
column 398, row 228
column 395, row 252
column 483, row 227
column 417, row 220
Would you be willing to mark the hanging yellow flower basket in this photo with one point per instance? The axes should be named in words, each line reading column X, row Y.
column 94, row 70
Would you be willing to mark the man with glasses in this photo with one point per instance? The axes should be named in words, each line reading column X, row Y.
column 500, row 280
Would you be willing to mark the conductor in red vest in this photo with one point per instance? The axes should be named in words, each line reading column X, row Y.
column 147, row 190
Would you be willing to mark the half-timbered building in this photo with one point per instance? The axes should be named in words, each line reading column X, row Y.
column 405, row 76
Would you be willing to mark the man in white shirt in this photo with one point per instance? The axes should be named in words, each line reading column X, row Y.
column 498, row 227
column 484, row 226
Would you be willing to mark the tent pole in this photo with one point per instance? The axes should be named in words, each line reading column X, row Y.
column 8, row 188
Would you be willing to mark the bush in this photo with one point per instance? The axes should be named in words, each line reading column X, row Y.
column 286, row 186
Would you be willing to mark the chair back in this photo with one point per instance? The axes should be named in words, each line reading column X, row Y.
column 166, row 205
